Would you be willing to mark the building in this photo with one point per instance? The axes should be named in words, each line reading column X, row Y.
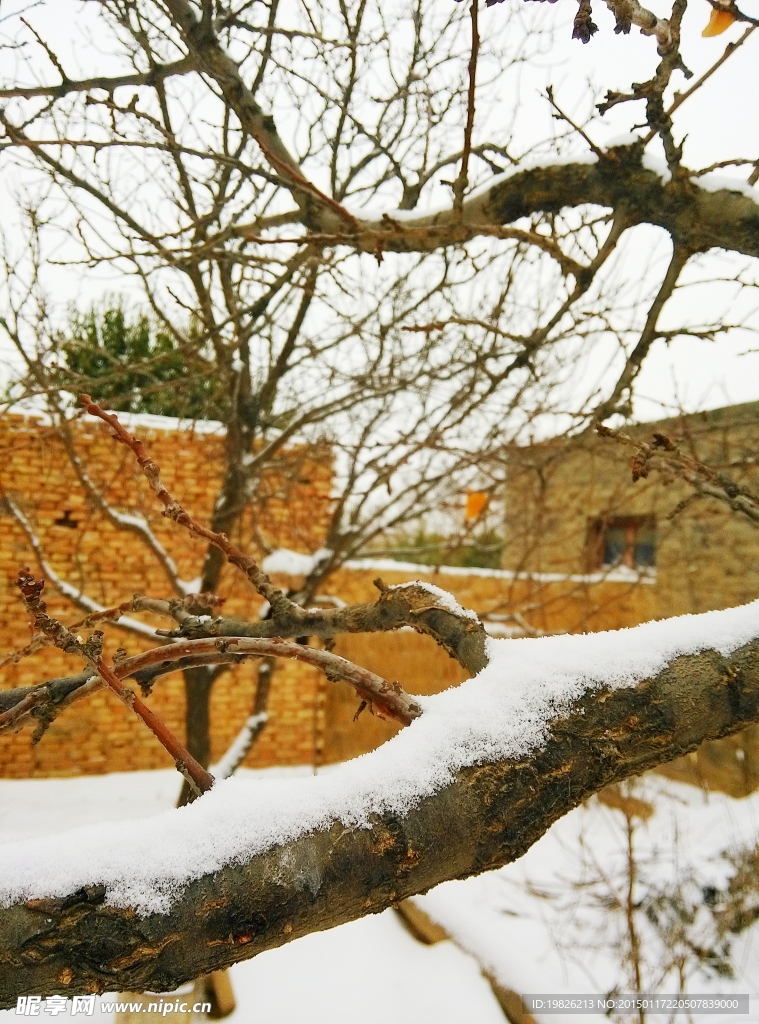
column 109, row 564
column 573, row 512
column 586, row 549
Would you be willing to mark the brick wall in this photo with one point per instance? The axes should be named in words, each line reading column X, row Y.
column 89, row 552
column 706, row 558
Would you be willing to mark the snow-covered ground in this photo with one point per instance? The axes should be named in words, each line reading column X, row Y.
column 543, row 925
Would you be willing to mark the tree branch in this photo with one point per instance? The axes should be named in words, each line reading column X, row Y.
column 173, row 510
column 91, row 651
column 74, row 594
column 487, row 815
column 158, row 73
column 386, row 700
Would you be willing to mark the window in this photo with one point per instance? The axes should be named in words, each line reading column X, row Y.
column 623, row 540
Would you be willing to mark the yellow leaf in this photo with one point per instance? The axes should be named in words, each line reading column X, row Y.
column 719, row 21
column 475, row 503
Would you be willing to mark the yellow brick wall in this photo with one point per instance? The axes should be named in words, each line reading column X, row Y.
column 99, row 734
column 705, row 558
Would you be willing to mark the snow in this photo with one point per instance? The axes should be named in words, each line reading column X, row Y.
column 535, row 927
column 443, row 598
column 504, row 712
column 321, row 978
column 238, row 747
column 293, row 563
column 371, row 970
column 713, row 182
column 658, row 166
column 150, row 421
column 33, row 409
column 619, row 574
column 531, row 163
column 524, row 923
column 625, row 139
column 190, row 586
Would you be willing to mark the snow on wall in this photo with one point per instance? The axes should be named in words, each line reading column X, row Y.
column 504, row 712
column 293, row 563
column 619, row 574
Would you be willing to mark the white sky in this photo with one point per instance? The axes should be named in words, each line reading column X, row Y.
column 720, row 123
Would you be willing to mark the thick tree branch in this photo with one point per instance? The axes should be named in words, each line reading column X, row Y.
column 488, row 815
column 413, row 604
column 228, row 641
column 697, row 219
column 209, row 56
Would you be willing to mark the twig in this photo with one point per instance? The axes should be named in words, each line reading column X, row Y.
column 91, row 651
column 680, row 98
column 387, row 700
column 23, row 708
column 135, row 524
column 561, row 116
column 279, row 602
column 462, row 179
column 664, row 455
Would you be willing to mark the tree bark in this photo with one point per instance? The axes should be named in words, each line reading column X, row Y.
column 488, row 816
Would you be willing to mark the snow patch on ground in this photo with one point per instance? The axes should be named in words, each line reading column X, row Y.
column 504, row 712
column 535, row 925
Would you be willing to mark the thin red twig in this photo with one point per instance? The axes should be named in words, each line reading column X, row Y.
column 31, row 591
column 173, row 510
column 387, row 700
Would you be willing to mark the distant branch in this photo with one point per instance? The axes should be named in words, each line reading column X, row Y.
column 173, row 510
column 664, row 456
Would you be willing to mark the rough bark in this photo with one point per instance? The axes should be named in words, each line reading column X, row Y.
column 409, row 605
column 696, row 219
column 490, row 815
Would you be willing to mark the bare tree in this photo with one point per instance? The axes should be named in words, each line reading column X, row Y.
column 263, row 175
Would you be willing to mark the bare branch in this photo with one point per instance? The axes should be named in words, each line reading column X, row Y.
column 386, row 700
column 173, row 510
column 665, row 457
column 91, row 652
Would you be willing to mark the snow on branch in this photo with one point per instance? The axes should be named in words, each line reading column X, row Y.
column 74, row 594
column 470, row 785
column 173, row 510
